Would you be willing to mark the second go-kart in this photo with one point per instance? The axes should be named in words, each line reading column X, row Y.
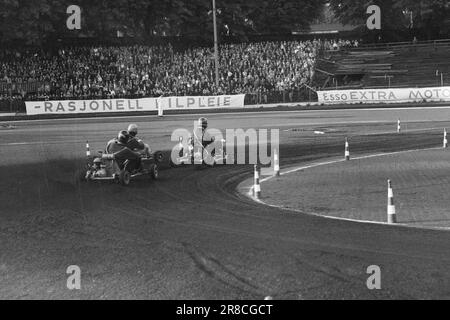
column 105, row 167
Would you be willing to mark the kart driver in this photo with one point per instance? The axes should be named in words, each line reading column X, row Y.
column 201, row 139
column 201, row 135
column 119, row 148
column 136, row 144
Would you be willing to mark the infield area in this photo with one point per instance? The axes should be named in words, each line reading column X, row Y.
column 357, row 189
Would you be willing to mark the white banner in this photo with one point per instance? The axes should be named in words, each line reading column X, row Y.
column 129, row 105
column 433, row 94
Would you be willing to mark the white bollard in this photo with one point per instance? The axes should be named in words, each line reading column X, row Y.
column 257, row 185
column 276, row 165
column 347, row 150
column 445, row 139
column 88, row 150
column 391, row 214
column 160, row 111
column 399, row 126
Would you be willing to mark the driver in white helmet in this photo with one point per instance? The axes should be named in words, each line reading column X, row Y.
column 201, row 134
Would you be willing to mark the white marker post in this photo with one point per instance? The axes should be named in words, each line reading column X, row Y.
column 391, row 214
column 347, row 150
column 257, row 185
column 445, row 145
column 276, row 165
column 88, row 150
column 399, row 126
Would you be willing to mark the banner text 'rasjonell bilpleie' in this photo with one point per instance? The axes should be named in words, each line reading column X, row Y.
column 130, row 105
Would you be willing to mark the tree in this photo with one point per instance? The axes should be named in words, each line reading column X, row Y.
column 34, row 21
column 283, row 16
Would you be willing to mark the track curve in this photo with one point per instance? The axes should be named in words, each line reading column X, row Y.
column 191, row 235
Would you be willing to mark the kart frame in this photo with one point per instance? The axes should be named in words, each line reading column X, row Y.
column 110, row 170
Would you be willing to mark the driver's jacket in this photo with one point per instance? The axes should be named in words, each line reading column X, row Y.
column 135, row 144
column 114, row 146
column 121, row 151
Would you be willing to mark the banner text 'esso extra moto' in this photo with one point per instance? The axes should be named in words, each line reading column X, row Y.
column 130, row 105
column 397, row 95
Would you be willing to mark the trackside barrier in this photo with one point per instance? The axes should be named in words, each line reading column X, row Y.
column 257, row 185
column 391, row 214
column 384, row 95
column 152, row 104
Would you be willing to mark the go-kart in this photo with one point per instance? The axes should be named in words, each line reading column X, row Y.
column 105, row 167
column 198, row 155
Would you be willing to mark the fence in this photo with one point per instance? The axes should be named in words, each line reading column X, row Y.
column 304, row 94
column 11, row 105
column 19, row 87
column 400, row 45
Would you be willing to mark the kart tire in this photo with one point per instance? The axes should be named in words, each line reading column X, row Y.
column 159, row 157
column 125, row 177
column 88, row 176
column 154, row 173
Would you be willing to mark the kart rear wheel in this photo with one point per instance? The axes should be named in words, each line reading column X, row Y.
column 154, row 173
column 125, row 177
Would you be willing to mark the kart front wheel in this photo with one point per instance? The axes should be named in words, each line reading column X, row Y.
column 125, row 177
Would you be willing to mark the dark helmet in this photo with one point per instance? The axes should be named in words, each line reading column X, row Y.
column 122, row 137
column 97, row 162
column 203, row 123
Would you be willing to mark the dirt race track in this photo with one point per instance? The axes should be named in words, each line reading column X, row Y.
column 191, row 235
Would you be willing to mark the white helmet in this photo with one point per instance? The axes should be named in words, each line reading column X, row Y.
column 133, row 129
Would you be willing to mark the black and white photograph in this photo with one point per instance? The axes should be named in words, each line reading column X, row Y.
column 224, row 155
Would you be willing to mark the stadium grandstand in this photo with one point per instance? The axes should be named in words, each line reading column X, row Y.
column 400, row 64
column 266, row 71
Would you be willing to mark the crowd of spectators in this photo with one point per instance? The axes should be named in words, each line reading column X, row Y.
column 338, row 44
column 146, row 71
